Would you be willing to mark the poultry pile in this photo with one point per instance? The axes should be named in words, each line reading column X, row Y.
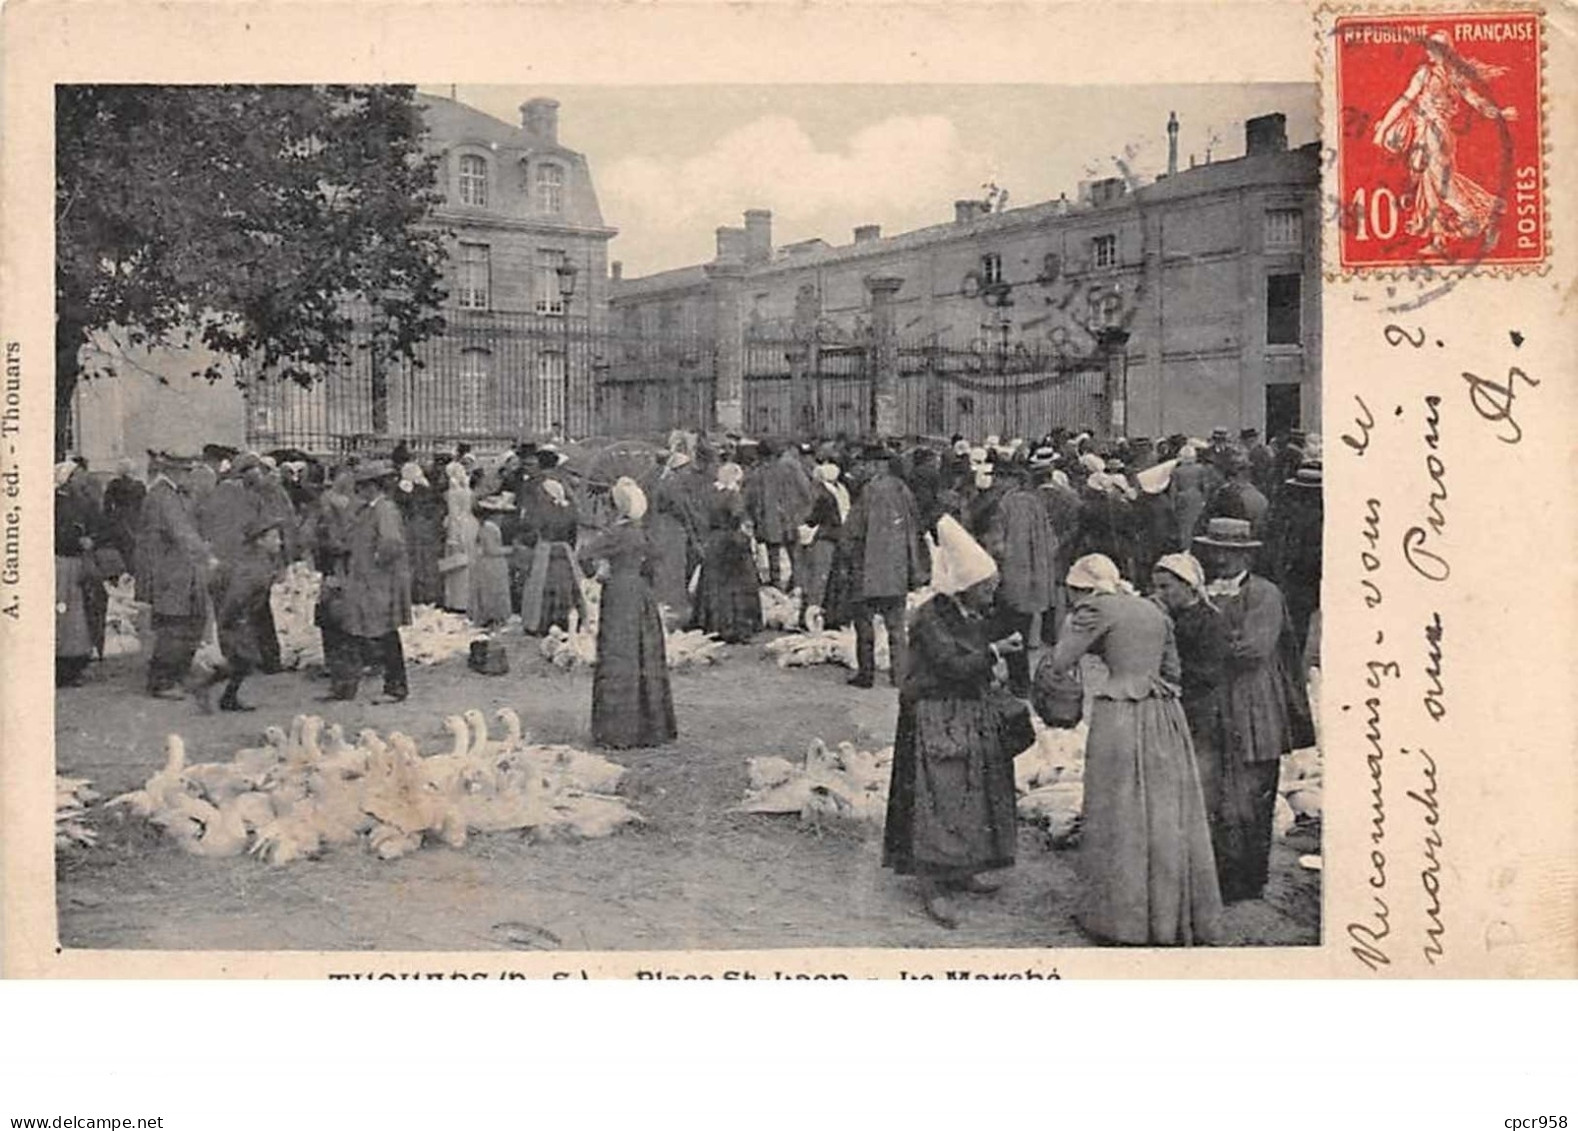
column 578, row 649
column 435, row 635
column 828, row 646
column 304, row 793
column 120, row 620
column 1298, row 792
column 72, row 798
column 780, row 610
column 1050, row 781
column 432, row 637
column 294, row 600
column 832, row 784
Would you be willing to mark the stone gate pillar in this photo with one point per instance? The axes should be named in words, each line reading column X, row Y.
column 728, row 280
column 884, row 354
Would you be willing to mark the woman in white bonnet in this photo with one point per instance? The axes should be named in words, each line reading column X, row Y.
column 1147, row 872
column 820, row 535
column 632, row 704
column 460, row 538
column 951, row 798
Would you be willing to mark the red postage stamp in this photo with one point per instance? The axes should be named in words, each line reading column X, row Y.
column 1439, row 154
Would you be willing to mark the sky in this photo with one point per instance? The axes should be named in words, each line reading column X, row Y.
column 673, row 163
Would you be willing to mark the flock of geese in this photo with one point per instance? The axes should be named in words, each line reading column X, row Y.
column 310, row 790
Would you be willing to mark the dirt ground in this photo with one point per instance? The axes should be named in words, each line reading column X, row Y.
column 694, row 876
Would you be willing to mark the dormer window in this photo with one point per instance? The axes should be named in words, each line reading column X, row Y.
column 550, row 189
column 474, row 180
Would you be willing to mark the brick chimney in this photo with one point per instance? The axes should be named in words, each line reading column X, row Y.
column 616, row 270
column 731, row 245
column 1172, row 142
column 866, row 233
column 758, row 235
column 1266, row 134
column 964, row 211
column 540, row 120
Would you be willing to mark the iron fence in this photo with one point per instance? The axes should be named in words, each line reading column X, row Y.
column 493, row 378
column 798, row 387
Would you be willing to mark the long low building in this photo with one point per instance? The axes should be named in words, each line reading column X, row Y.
column 1179, row 305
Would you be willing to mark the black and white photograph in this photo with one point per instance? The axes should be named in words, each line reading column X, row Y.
column 687, row 518
column 813, row 558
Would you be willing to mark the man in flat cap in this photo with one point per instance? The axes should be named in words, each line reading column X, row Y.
column 378, row 589
column 173, row 565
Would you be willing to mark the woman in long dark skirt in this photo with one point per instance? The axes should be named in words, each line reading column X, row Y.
column 1145, row 860
column 951, row 796
column 673, row 530
column 423, row 511
column 728, row 601
column 632, row 704
column 553, row 587
column 1178, row 584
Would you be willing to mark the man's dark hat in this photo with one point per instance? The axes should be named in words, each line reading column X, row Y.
column 373, row 471
column 262, row 526
column 1248, row 433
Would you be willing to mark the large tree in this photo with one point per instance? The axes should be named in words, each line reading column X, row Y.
column 250, row 220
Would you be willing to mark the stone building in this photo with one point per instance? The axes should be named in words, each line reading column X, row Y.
column 1183, row 304
column 516, row 358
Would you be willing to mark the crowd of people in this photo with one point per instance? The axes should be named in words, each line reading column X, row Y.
column 1028, row 549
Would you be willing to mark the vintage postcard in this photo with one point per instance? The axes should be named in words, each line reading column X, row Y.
column 1060, row 490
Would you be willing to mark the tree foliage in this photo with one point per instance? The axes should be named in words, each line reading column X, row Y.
column 260, row 222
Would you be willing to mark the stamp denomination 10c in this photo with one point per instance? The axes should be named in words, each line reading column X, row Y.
column 1439, row 150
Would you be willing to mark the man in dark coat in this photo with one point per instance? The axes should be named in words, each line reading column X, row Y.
column 925, row 482
column 887, row 559
column 123, row 498
column 1021, row 542
column 378, row 593
column 173, row 564
column 780, row 502
column 1262, row 461
column 1294, row 549
column 1237, row 497
column 1262, row 703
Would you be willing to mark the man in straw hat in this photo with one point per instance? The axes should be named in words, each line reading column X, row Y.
column 378, row 589
column 1264, row 700
column 173, row 565
column 951, row 799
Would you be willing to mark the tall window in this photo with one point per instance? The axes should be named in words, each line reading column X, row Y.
column 550, row 189
column 472, row 272
column 471, row 395
column 1284, row 227
column 991, row 268
column 474, row 180
column 1104, row 251
column 548, row 403
column 1283, row 310
column 547, row 298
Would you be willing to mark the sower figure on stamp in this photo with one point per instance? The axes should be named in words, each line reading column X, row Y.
column 1419, row 127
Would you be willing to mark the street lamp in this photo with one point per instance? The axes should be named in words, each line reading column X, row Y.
column 566, row 272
